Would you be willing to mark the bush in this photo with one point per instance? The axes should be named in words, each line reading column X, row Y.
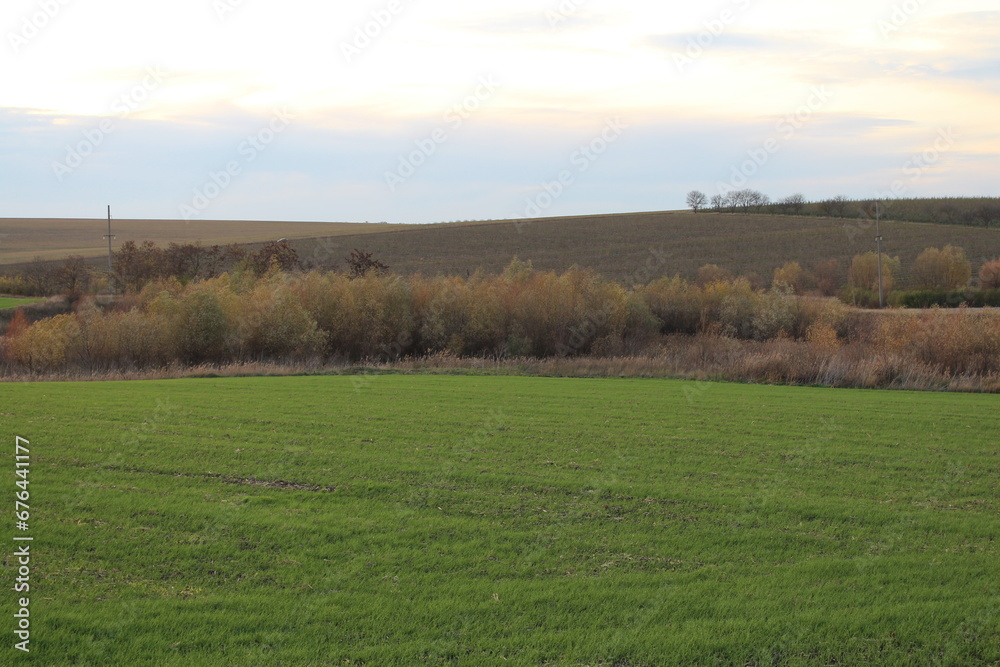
column 946, row 269
column 794, row 276
column 675, row 303
column 275, row 324
column 713, row 273
column 864, row 272
column 957, row 342
column 860, row 297
column 13, row 285
column 829, row 277
column 946, row 298
column 989, row 275
column 44, row 344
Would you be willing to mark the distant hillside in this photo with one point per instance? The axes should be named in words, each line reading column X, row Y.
column 619, row 246
column 23, row 239
column 624, row 247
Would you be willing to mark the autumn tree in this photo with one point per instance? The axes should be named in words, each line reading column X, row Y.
column 943, row 269
column 864, row 271
column 793, row 275
column 713, row 273
column 829, row 276
column 989, row 275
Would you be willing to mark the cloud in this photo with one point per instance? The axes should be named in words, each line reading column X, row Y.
column 731, row 41
column 565, row 17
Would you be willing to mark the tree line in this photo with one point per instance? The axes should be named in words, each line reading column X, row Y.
column 135, row 265
column 971, row 211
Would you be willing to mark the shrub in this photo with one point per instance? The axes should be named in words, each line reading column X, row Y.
column 13, row 285
column 737, row 307
column 989, row 275
column 44, row 344
column 955, row 342
column 859, row 297
column 946, row 269
column 829, row 277
column 204, row 329
column 824, row 337
column 675, row 303
column 864, row 272
column 275, row 324
column 712, row 273
column 794, row 276
column 774, row 314
column 946, row 298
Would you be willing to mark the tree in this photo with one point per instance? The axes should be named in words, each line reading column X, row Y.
column 718, row 203
column 943, row 269
column 793, row 204
column 361, row 262
column 864, row 271
column 829, row 276
column 279, row 254
column 793, row 275
column 696, row 199
column 135, row 265
column 38, row 278
column 989, row 275
column 713, row 273
column 184, row 261
column 72, row 278
column 836, row 207
column 759, row 200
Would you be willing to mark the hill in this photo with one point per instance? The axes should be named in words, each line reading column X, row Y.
column 23, row 239
column 668, row 243
column 626, row 247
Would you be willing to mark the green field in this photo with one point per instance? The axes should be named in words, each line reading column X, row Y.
column 13, row 302
column 397, row 520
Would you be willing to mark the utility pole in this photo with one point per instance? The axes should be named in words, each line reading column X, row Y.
column 109, row 236
column 878, row 253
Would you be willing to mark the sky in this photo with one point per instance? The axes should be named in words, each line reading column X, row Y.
column 419, row 111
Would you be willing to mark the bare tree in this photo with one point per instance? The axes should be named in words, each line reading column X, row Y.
column 757, row 200
column 836, row 207
column 72, row 278
column 793, row 204
column 696, row 199
column 361, row 263
column 278, row 254
column 718, row 203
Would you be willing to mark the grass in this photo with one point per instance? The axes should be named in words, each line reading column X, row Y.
column 506, row 520
column 13, row 301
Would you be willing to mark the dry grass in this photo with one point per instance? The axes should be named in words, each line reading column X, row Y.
column 703, row 358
